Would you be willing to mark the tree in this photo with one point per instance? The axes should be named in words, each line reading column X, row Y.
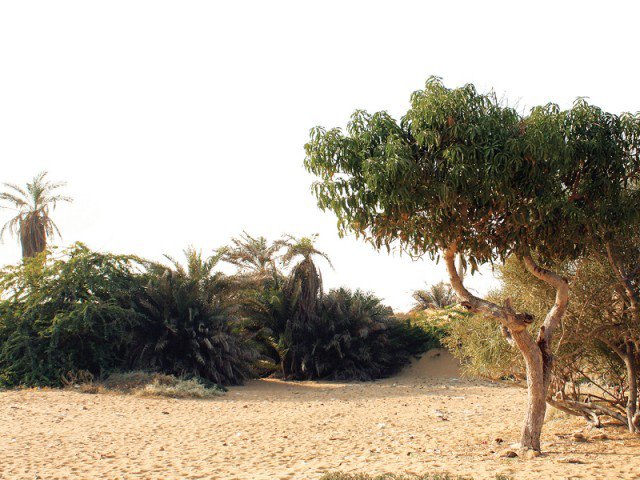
column 254, row 257
column 32, row 224
column 461, row 173
column 303, row 293
column 260, row 282
column 439, row 295
column 590, row 378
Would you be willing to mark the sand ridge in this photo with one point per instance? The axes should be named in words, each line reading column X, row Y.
column 271, row 429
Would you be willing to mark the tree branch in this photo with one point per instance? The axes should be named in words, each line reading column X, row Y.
column 504, row 314
column 562, row 296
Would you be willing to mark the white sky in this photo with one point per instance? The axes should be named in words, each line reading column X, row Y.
column 183, row 122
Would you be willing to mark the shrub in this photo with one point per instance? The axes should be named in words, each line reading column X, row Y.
column 66, row 313
column 190, row 329
column 358, row 338
column 342, row 335
column 159, row 385
column 147, row 384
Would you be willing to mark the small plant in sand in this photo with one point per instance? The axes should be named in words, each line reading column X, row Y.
column 143, row 384
column 159, row 385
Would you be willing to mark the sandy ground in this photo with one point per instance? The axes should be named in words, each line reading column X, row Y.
column 424, row 421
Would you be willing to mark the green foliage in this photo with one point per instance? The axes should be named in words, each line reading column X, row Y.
column 189, row 327
column 358, row 338
column 436, row 323
column 462, row 167
column 346, row 335
column 439, row 295
column 596, row 319
column 32, row 224
column 66, row 313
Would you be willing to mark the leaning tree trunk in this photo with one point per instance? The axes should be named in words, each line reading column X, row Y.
column 536, row 353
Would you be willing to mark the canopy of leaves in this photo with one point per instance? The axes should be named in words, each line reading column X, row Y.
column 461, row 166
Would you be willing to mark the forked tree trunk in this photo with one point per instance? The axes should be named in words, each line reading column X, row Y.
column 536, row 353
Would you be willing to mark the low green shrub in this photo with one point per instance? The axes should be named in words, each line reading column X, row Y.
column 65, row 314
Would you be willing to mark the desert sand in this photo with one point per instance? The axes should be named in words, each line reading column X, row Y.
column 425, row 420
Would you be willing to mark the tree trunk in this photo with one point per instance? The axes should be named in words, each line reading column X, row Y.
column 536, row 403
column 632, row 398
column 537, row 354
column 538, row 364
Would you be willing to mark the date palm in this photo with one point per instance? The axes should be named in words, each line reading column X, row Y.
column 439, row 295
column 303, row 289
column 33, row 204
column 254, row 257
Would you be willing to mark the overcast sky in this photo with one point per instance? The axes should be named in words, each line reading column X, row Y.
column 183, row 122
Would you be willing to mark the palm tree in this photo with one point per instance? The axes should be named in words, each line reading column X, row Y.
column 254, row 257
column 439, row 295
column 32, row 224
column 303, row 289
column 190, row 327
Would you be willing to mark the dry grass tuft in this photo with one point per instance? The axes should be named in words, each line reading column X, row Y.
column 151, row 385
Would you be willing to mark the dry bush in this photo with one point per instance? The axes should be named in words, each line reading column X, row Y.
column 152, row 385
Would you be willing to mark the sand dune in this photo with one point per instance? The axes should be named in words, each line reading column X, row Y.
column 420, row 421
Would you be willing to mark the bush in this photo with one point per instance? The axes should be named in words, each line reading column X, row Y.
column 159, row 385
column 147, row 384
column 189, row 328
column 358, row 338
column 353, row 336
column 67, row 313
column 342, row 335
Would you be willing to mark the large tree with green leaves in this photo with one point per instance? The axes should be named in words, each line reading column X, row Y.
column 32, row 223
column 463, row 173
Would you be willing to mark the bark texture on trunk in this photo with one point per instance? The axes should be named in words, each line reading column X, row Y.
column 633, row 417
column 536, row 353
